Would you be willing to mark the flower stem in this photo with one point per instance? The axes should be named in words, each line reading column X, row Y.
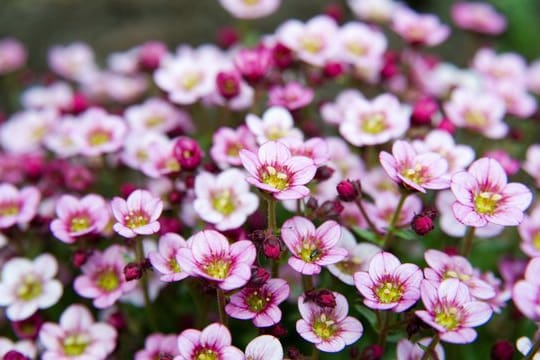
column 389, row 235
column 272, row 227
column 430, row 351
column 221, row 306
column 372, row 226
column 384, row 321
column 307, row 282
column 139, row 253
column 468, row 241
column 315, row 354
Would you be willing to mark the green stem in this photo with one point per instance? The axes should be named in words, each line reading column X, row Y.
column 389, row 235
column 430, row 351
column 468, row 241
column 383, row 327
column 372, row 226
column 272, row 227
column 533, row 350
column 315, row 354
column 139, row 253
column 221, row 306
column 307, row 282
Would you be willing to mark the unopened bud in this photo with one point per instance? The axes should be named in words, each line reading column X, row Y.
column 349, row 190
column 422, row 224
column 272, row 247
column 133, row 271
column 188, row 153
column 502, row 350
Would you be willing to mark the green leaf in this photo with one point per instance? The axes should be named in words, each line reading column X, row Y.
column 366, row 235
column 405, row 234
column 367, row 314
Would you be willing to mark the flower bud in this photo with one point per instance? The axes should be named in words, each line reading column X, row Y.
column 227, row 36
column 14, row 355
column 188, row 153
column 322, row 297
column 333, row 69
column 423, row 111
column 312, row 203
column 502, row 350
column 127, row 188
column 228, row 84
column 422, row 224
column 150, row 55
column 372, row 352
column 293, row 353
column 175, row 197
column 257, row 236
column 277, row 330
column 133, row 271
column 335, row 11
column 259, row 276
column 169, row 224
column 79, row 103
column 329, row 209
column 447, row 125
column 28, row 329
column 349, row 190
column 79, row 258
column 282, row 56
column 117, row 320
column 272, row 247
column 324, row 173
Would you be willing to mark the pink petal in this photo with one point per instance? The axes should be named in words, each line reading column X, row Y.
column 517, row 195
column 351, row 330
column 478, row 313
column 467, row 216
column 250, row 162
column 329, row 233
column 274, row 152
column 489, row 174
column 216, row 336
column 464, row 185
column 382, row 264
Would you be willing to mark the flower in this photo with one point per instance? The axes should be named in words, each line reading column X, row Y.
column 292, row 96
column 416, row 171
column 250, row 9
column 102, row 277
column 187, row 152
column 525, row 291
column 312, row 248
column 224, row 200
column 451, row 311
column 24, row 347
column 74, row 61
column 164, row 260
column 211, row 257
column 532, row 163
column 78, row 217
column 227, row 143
column 25, row 131
column 349, row 190
column 330, row 329
column 275, row 170
column 27, row 286
column 17, row 206
column 407, row 350
column 484, row 196
column 496, row 68
column 419, row 29
column 276, row 123
column 378, row 11
column 138, row 215
column 12, row 55
column 253, row 64
column 384, row 208
column 478, row 17
column 157, row 115
column 264, row 347
column 259, row 304
column 157, row 346
column 388, row 284
column 213, row 342
column 77, row 336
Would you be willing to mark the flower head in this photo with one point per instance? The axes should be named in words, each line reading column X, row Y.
column 137, row 215
column 157, row 346
column 17, row 206
column 419, row 29
column 164, row 260
column 212, row 343
column 251, row 9
column 525, row 291
column 292, row 96
column 264, row 347
column 479, row 17
column 276, row 123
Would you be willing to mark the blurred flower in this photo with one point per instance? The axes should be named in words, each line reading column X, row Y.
column 12, row 55
column 137, row 215
column 377, row 11
column 478, row 17
column 407, row 350
column 252, row 9
column 25, row 347
column 419, row 29
column 524, row 292
column 276, row 123
column 164, row 260
column 227, row 143
column 157, row 115
column 17, row 206
column 157, row 346
column 74, row 61
column 214, row 341
column 292, row 96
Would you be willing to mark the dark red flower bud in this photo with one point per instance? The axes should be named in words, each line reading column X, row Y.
column 329, row 209
column 312, row 204
column 333, row 69
column 169, row 224
column 257, row 236
column 151, row 53
column 78, row 177
column 127, row 188
column 423, row 111
column 79, row 258
column 502, row 350
column 353, row 353
column 349, row 190
column 165, row 357
column 335, row 11
column 259, row 276
column 431, row 212
column 117, row 320
column 189, row 181
column 451, row 250
column 228, row 84
column 422, row 224
column 133, row 271
column 282, row 56
column 188, row 153
column 28, row 329
column 227, row 36
column 322, row 297
column 79, row 103
column 33, row 166
column 516, row 134
column 272, row 247
column 175, row 197
column 447, row 125
column 324, row 173
column 277, row 330
column 14, row 355
column 293, row 353
column 389, row 70
column 372, row 352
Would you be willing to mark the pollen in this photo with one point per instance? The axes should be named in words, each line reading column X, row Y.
column 415, row 174
column 135, row 219
column 448, row 318
column 108, row 280
column 79, row 223
column 98, row 137
column 311, row 44
column 206, row 354
column 324, row 327
column 309, row 252
column 174, row 266
column 475, row 118
column 373, row 123
column 257, row 301
column 389, row 292
column 485, row 203
column 275, row 178
column 74, row 345
column 190, row 81
column 224, row 203
column 9, row 208
column 218, row 268
column 30, row 288
column 356, row 48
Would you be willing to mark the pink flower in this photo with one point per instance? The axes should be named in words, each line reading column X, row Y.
column 77, row 336
column 157, row 115
column 484, row 196
column 378, row 11
column 451, row 311
column 510, row 165
column 334, row 112
column 103, row 278
column 17, row 206
column 532, row 163
column 259, row 304
column 388, row 284
column 159, row 159
column 361, row 45
column 529, row 231
column 443, row 266
column 211, row 257
column 74, row 61
column 312, row 247
column 264, row 347
column 416, row 171
column 223, row 200
column 506, row 67
column 157, row 346
column 138, row 215
column 374, row 122
column 525, row 292
column 330, row 329
column 517, row 100
column 276, row 123
column 27, row 286
column 276, row 171
column 407, row 350
column 227, row 143
column 214, row 342
column 478, row 17
column 292, row 96
column 384, row 208
column 480, row 112
column 250, row 9
column 24, row 347
column 253, row 64
column 25, row 131
column 315, row 148
column 164, row 260
column 12, row 55
column 78, row 217
column 419, row 29
column 57, row 96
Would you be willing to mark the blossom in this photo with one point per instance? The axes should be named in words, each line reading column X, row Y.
column 529, row 231
column 361, row 45
column 60, row 140
column 506, row 67
column 382, row 211
column 419, row 29
column 78, row 217
column 74, row 61
column 12, row 55
column 77, row 336
column 407, row 350
column 158, row 345
column 253, row 64
column 451, row 311
column 213, row 342
column 25, row 131
column 24, row 347
column 17, row 206
column 315, row 148
column 388, row 284
column 532, row 163
column 58, row 96
column 157, row 115
column 378, row 11
column 416, row 171
column 478, row 17
column 275, row 170
column 525, row 291
column 484, row 196
column 330, row 329
column 259, row 304
column 374, row 122
column 525, row 345
column 292, row 96
column 334, row 112
column 223, row 200
column 264, row 347
column 312, row 247
column 250, row 9
column 102, row 277
column 164, row 260
column 276, row 123
column 211, row 257
column 27, row 286
column 137, row 215
column 227, row 143
column 509, row 164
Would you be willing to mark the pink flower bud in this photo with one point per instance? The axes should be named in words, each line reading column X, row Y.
column 28, row 329
column 422, row 224
column 372, row 352
column 349, row 190
column 79, row 258
column 502, row 350
column 227, row 36
column 272, row 247
column 282, row 56
column 14, row 355
column 423, row 111
column 259, row 276
column 333, row 69
column 132, row 271
column 188, row 153
column 150, row 55
column 447, row 125
column 228, row 84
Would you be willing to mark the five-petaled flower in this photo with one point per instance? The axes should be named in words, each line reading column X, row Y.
column 138, row 215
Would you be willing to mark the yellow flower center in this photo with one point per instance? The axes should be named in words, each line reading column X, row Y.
column 536, row 240
column 324, row 327
column 389, row 292
column 224, row 202
column 233, row 149
column 9, row 209
column 99, row 137
column 311, row 44
column 172, row 165
column 108, row 280
column 257, row 302
column 191, row 80
column 74, row 345
column 348, row 267
column 414, row 174
column 218, row 268
column 475, row 118
column 135, row 219
column 206, row 354
column 275, row 178
column 29, row 289
column 356, row 48
column 174, row 266
column 373, row 123
column 452, row 274
column 154, row 121
column 448, row 318
column 485, row 203
column 79, row 223
column 309, row 251
column 275, row 133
